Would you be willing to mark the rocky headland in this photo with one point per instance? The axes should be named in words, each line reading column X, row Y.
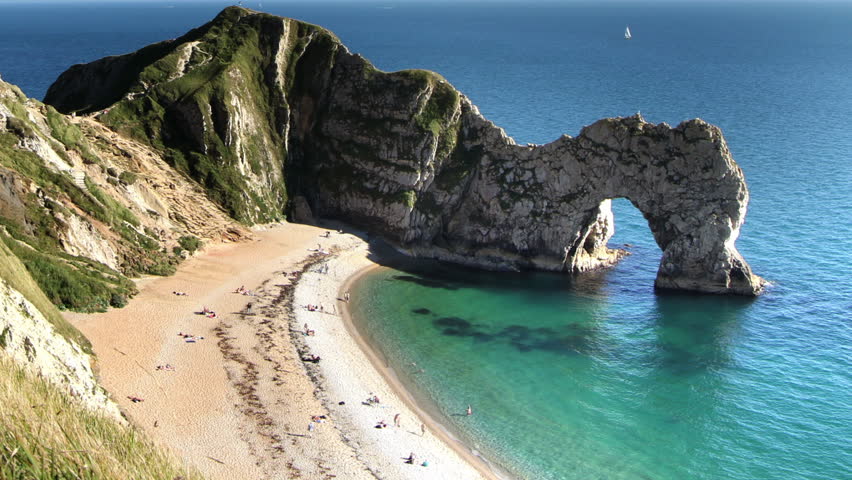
column 276, row 118
column 135, row 161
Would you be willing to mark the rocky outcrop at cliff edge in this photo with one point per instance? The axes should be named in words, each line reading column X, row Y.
column 262, row 109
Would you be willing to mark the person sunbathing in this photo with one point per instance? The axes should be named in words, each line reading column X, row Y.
column 311, row 358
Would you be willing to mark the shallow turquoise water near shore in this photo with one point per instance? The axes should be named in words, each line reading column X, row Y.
column 601, row 378
column 604, row 378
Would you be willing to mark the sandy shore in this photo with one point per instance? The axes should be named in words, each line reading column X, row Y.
column 341, row 349
column 240, row 401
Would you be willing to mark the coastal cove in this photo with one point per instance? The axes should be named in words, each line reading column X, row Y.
column 597, row 375
column 238, row 399
column 602, row 377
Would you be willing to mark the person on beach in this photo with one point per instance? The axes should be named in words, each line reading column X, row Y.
column 422, row 429
column 396, row 422
column 411, row 458
column 311, row 358
column 469, row 410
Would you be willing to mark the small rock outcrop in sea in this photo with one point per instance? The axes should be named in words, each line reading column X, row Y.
column 272, row 116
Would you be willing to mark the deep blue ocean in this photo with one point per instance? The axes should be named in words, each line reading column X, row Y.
column 600, row 377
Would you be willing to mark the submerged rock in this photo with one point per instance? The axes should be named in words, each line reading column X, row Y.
column 261, row 109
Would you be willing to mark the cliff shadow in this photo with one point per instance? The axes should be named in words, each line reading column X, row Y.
column 431, row 273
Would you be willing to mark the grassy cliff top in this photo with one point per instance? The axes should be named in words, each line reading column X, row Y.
column 118, row 76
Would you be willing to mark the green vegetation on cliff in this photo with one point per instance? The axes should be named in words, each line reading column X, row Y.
column 39, row 201
column 47, row 434
column 259, row 109
column 188, row 101
column 73, row 283
column 16, row 274
column 69, row 135
column 76, row 283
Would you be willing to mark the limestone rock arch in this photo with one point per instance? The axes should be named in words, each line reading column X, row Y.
column 406, row 156
column 548, row 206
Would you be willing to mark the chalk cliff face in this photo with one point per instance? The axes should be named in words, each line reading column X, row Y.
column 83, row 207
column 275, row 116
column 36, row 337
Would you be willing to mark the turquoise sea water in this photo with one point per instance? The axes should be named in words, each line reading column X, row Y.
column 601, row 377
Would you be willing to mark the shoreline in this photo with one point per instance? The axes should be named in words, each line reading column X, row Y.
column 232, row 406
column 341, row 347
column 389, row 375
column 240, row 401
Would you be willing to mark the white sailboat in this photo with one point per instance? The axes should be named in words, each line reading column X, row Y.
column 627, row 35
